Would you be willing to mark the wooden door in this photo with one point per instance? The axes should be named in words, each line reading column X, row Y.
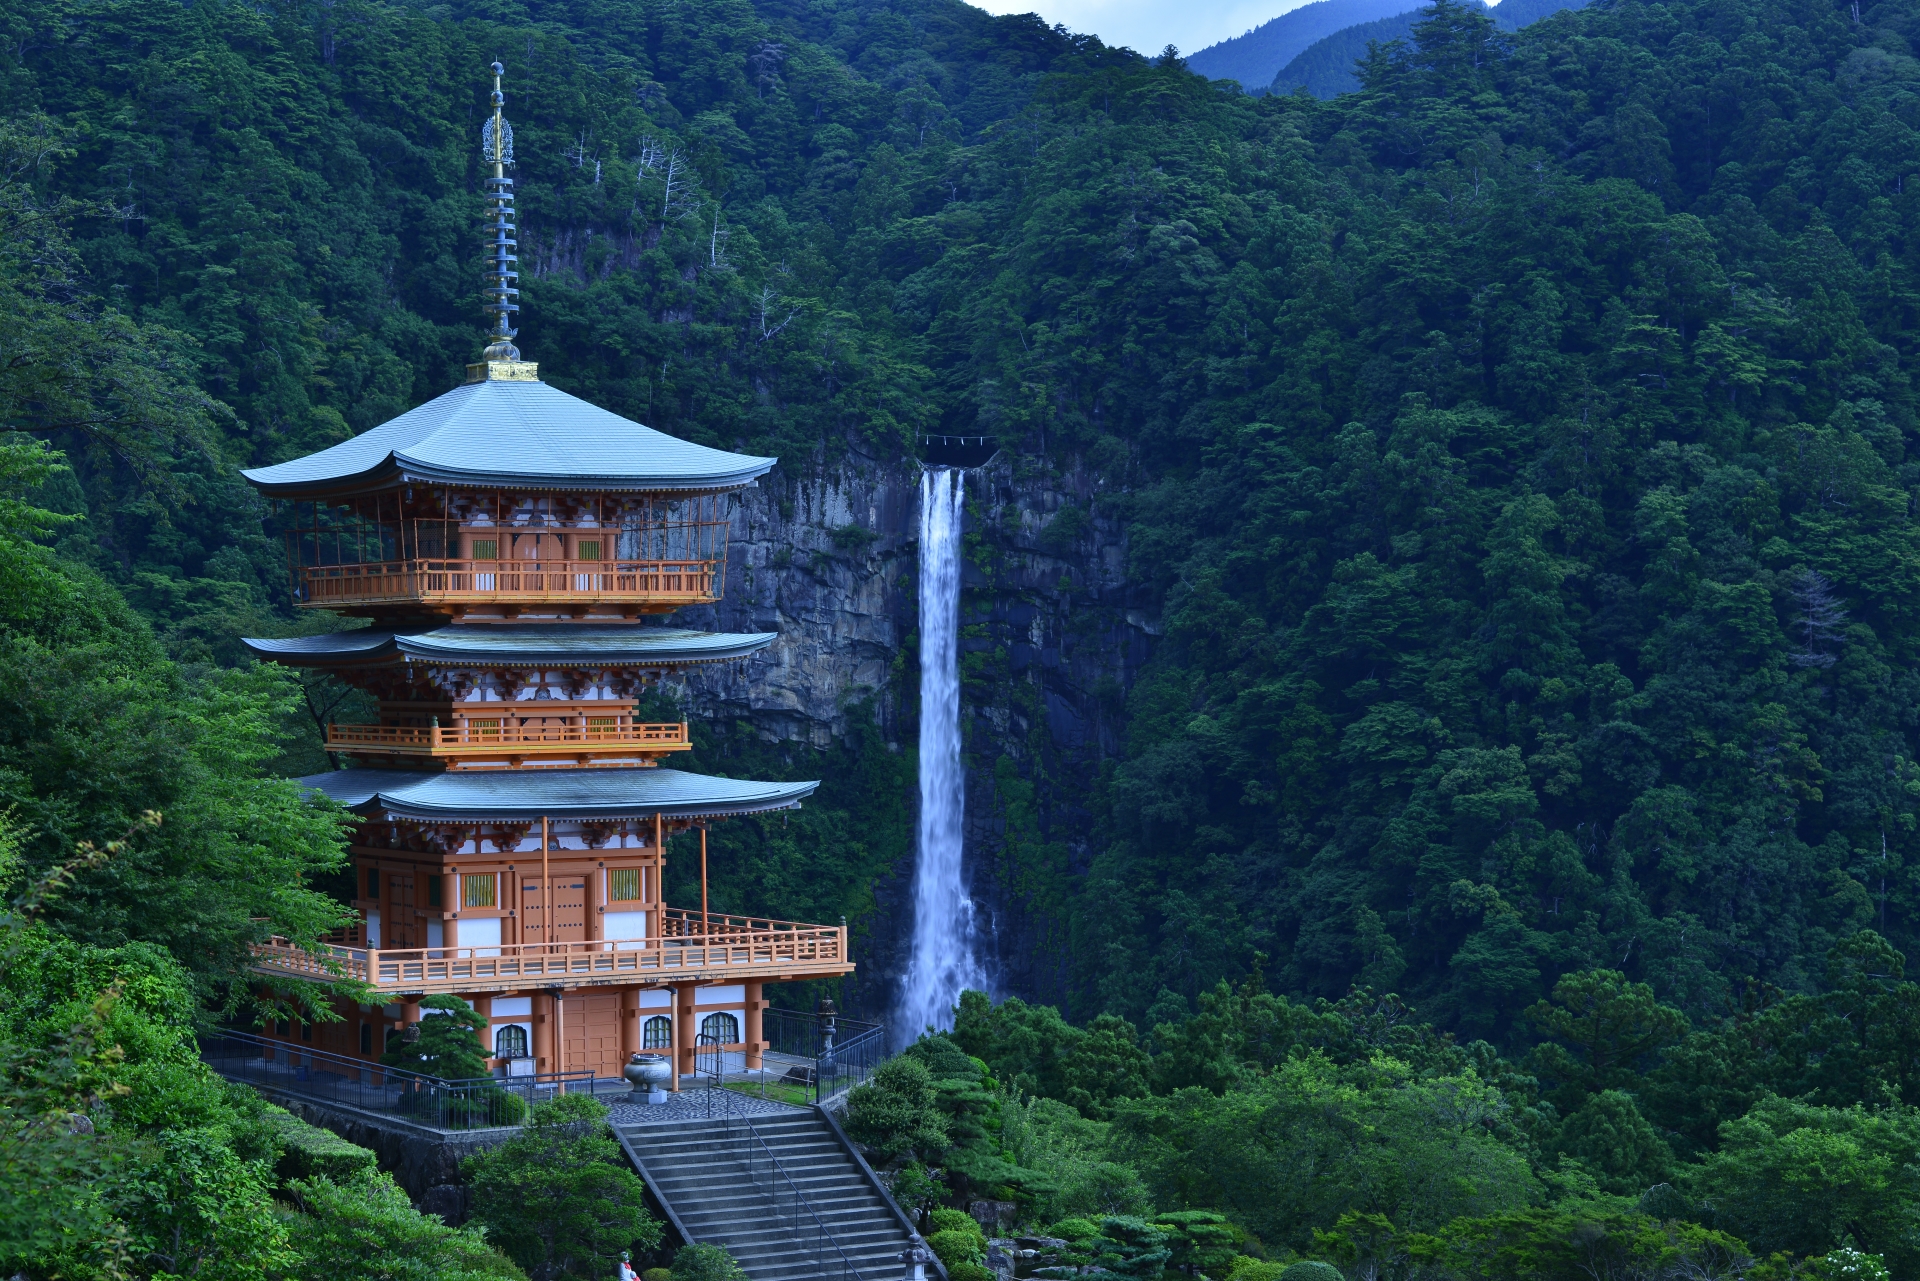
column 569, row 923
column 592, row 1033
column 397, row 929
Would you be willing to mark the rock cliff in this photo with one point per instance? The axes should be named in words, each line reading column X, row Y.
column 1053, row 636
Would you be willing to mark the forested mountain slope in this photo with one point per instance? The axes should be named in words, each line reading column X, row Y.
column 1517, row 446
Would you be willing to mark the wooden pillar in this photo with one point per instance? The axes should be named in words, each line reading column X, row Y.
column 409, row 1009
column 629, row 1023
column 596, row 902
column 449, row 898
column 755, row 1026
column 546, row 886
column 686, row 1027
column 543, row 1012
column 704, row 929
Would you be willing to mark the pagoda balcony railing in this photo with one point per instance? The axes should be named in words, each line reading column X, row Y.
column 746, row 948
column 471, row 738
column 511, row 582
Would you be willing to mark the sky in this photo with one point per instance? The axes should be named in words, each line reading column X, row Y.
column 1151, row 25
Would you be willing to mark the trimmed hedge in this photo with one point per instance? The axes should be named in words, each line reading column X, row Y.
column 307, row 1151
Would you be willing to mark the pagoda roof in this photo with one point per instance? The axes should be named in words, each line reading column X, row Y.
column 505, row 795
column 514, row 645
column 502, row 433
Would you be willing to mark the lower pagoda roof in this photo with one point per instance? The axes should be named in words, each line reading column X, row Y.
column 508, row 795
column 514, row 645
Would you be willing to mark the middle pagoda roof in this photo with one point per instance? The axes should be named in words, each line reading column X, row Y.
column 510, row 432
column 514, row 645
column 511, row 795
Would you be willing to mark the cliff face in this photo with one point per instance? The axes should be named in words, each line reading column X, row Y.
column 827, row 557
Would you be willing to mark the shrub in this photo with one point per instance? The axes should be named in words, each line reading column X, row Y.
column 948, row 1220
column 1311, row 1270
column 657, row 1274
column 1258, row 1270
column 1074, row 1230
column 705, row 1263
column 968, row 1270
column 309, row 1152
column 956, row 1247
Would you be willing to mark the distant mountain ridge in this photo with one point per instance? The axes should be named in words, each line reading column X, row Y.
column 1286, row 52
column 1254, row 58
column 1325, row 68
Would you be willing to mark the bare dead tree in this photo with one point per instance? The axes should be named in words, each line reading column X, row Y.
column 1819, row 621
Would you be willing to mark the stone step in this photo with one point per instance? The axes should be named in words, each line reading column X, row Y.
column 705, row 1171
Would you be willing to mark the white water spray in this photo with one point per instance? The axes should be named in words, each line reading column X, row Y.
column 942, row 962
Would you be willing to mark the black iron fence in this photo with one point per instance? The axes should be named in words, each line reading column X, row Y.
column 822, row 1054
column 413, row 1097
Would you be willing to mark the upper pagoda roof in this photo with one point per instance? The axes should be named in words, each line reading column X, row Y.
column 510, row 433
column 514, row 645
column 507, row 795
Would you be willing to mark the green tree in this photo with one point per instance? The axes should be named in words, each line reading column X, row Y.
column 1610, row 1137
column 557, row 1197
column 893, row 1112
column 1604, row 1027
column 367, row 1230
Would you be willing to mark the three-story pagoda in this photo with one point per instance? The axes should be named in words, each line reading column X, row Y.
column 506, row 541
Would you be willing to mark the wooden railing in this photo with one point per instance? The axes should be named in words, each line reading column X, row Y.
column 782, row 946
column 467, row 737
column 510, row 581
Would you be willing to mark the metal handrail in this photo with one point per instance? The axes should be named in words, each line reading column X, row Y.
column 800, row 1198
column 418, row 1097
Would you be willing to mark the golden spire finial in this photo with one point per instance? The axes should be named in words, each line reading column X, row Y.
column 496, row 145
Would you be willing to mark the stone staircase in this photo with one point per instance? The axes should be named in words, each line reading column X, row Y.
column 783, row 1192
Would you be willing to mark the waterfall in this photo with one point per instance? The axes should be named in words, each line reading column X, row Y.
column 942, row 962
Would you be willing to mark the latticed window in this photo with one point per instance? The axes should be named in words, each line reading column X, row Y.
column 657, row 1033
column 510, row 1042
column 623, row 883
column 478, row 891
column 589, row 549
column 720, row 1029
column 486, row 549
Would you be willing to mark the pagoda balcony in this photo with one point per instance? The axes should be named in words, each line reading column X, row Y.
column 646, row 586
column 732, row 950
column 491, row 738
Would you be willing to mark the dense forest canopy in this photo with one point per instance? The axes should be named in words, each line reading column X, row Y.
column 1517, row 445
column 1516, row 450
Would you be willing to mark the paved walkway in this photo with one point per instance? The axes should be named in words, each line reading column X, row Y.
column 695, row 1105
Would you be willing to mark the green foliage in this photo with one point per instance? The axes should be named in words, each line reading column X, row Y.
column 1807, row 1179
column 1310, row 1270
column 1550, row 1245
column 558, row 1197
column 893, row 1111
column 1307, row 1142
column 948, row 1220
column 705, row 1263
column 1603, row 1028
column 954, row 1247
column 656, row 1274
column 1848, row 1264
column 969, row 1270
column 363, row 1228
column 446, row 1044
column 309, row 1152
column 1610, row 1138
column 1201, row 1241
